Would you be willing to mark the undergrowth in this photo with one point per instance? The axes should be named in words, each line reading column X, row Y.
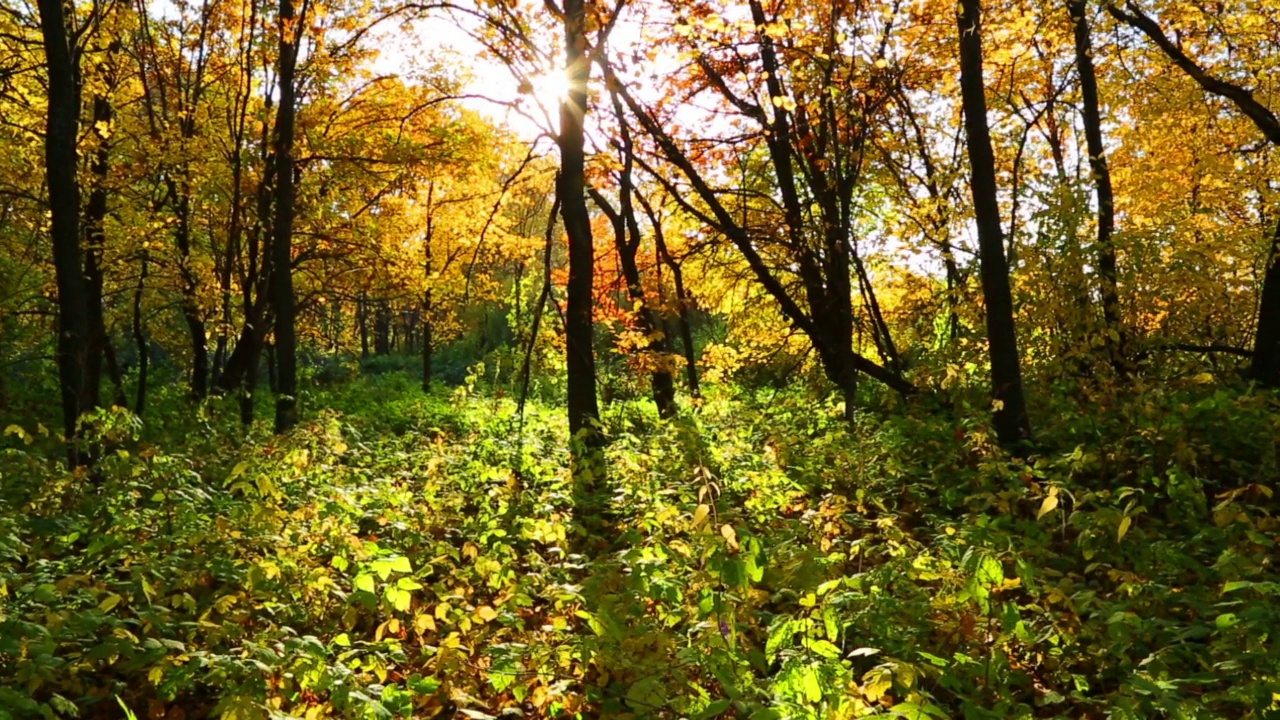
column 415, row 556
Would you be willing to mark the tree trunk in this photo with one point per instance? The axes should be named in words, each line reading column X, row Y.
column 190, row 300
column 362, row 323
column 285, row 346
column 62, row 126
column 140, row 340
column 582, row 403
column 1012, row 425
column 95, row 241
column 1106, row 252
column 428, row 267
column 682, row 299
column 1265, row 365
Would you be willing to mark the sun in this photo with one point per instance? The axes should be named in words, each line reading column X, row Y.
column 548, row 89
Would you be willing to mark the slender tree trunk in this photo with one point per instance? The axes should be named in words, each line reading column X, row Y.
column 587, row 441
column 427, row 308
column 140, row 340
column 249, row 381
column 95, row 242
column 647, row 322
column 1105, row 249
column 285, row 346
column 382, row 329
column 362, row 323
column 190, row 289
column 62, row 127
column 682, row 298
column 1012, row 425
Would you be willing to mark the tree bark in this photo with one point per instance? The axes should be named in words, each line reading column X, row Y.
column 583, row 406
column 285, row 345
column 1265, row 361
column 1013, row 427
column 427, row 308
column 140, row 340
column 1106, row 251
column 62, row 127
column 682, row 299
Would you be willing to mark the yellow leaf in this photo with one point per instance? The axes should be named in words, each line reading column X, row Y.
column 1050, row 502
column 423, row 623
column 17, row 430
column 486, row 613
column 1124, row 528
column 1203, row 378
column 700, row 515
column 109, row 602
column 730, row 535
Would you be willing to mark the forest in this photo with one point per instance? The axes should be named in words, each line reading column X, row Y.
column 760, row 359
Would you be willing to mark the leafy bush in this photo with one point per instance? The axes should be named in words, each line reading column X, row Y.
column 406, row 555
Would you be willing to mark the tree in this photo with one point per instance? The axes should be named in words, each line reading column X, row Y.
column 571, row 190
column 1113, row 329
column 627, row 240
column 1265, row 361
column 1012, row 425
column 283, row 303
column 62, row 57
column 798, row 240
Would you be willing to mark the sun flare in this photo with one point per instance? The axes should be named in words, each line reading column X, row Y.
column 548, row 89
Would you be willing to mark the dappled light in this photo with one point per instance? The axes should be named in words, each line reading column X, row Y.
column 759, row 359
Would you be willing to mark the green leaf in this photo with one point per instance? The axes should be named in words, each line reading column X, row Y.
column 713, row 709
column 811, row 684
column 342, row 640
column 364, row 582
column 825, row 649
column 401, row 564
column 916, row 711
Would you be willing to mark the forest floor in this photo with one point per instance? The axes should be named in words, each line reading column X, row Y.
column 409, row 555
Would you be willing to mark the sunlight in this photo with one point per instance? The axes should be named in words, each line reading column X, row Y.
column 547, row 89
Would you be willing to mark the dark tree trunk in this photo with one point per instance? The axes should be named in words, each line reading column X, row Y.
column 647, row 321
column 427, row 308
column 587, row 440
column 362, row 324
column 1012, row 425
column 140, row 339
column 382, row 329
column 249, row 381
column 682, row 299
column 190, row 292
column 582, row 402
column 285, row 346
column 95, row 242
column 273, row 379
column 62, row 126
column 1265, row 364
column 1106, row 252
